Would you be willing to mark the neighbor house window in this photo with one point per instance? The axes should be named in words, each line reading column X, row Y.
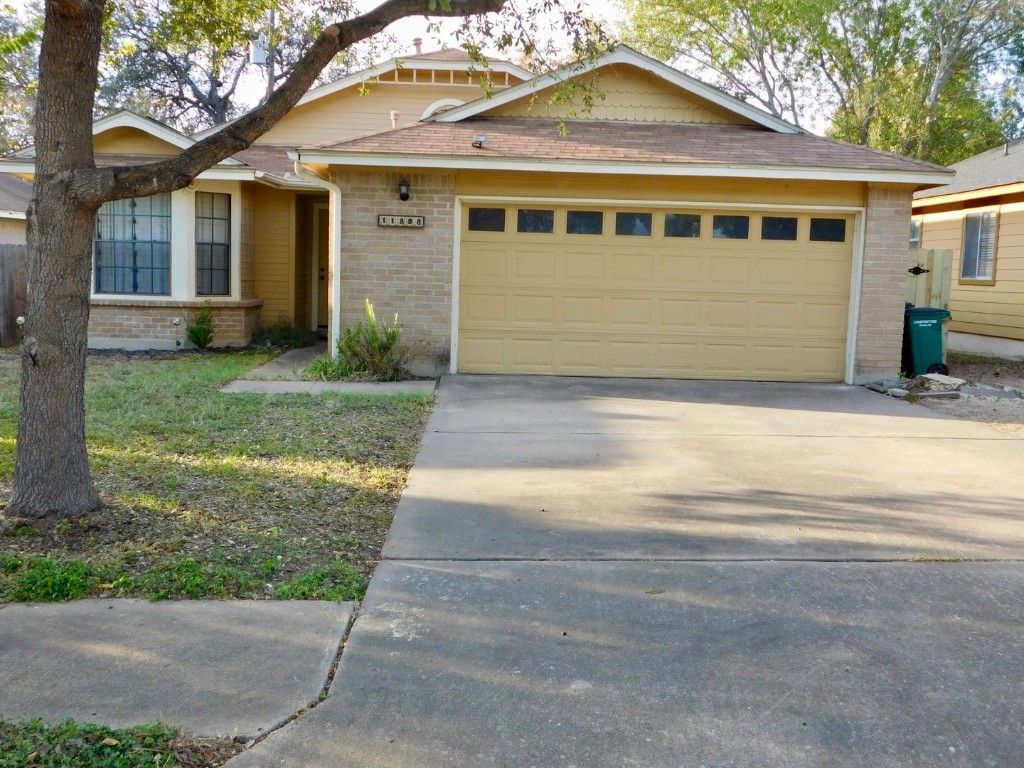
column 487, row 219
column 731, row 227
column 132, row 246
column 915, row 232
column 979, row 246
column 213, row 244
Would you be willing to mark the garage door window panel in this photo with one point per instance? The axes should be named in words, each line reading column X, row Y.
column 828, row 230
column 682, row 225
column 535, row 221
column 584, row 223
column 633, row 224
column 979, row 251
column 486, row 219
column 727, row 227
column 778, row 227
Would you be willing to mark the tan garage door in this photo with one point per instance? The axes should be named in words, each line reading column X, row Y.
column 680, row 293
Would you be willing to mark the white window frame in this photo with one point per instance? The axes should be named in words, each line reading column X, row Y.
column 183, row 248
column 986, row 238
column 916, row 231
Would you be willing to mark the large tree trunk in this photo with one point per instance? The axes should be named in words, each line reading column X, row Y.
column 51, row 474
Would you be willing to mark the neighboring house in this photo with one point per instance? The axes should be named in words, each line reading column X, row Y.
column 980, row 217
column 670, row 231
column 15, row 195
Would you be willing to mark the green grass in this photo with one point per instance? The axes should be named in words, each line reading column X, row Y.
column 34, row 743
column 29, row 743
column 214, row 495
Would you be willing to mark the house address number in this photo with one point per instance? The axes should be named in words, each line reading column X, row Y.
column 384, row 220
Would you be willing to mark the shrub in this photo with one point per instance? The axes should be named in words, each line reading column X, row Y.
column 282, row 334
column 371, row 349
column 200, row 333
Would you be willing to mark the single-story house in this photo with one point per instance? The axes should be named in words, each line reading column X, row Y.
column 670, row 230
column 980, row 217
column 15, row 195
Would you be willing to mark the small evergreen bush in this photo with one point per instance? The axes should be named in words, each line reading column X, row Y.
column 200, row 333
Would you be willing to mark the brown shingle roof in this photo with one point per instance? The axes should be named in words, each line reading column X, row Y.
column 15, row 194
column 613, row 141
column 268, row 158
column 993, row 168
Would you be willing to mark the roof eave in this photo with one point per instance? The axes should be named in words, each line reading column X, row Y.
column 970, row 194
column 724, row 170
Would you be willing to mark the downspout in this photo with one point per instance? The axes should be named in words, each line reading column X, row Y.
column 333, row 254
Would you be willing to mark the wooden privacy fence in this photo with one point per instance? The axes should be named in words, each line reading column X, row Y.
column 13, row 283
column 928, row 281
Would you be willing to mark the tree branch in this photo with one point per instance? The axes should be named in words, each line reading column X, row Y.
column 99, row 185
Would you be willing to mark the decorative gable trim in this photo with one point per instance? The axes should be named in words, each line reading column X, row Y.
column 621, row 54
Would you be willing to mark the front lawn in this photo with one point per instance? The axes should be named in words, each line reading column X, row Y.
column 211, row 494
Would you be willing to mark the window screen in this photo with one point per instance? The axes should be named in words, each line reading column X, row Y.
column 979, row 246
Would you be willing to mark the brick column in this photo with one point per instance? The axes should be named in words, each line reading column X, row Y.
column 884, row 282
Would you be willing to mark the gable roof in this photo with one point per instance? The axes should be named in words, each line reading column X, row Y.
column 996, row 167
column 448, row 59
column 15, row 196
column 603, row 146
column 621, row 54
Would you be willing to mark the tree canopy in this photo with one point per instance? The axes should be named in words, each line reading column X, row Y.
column 934, row 79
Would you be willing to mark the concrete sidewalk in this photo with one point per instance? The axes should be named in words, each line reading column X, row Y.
column 281, row 376
column 522, row 618
column 236, row 668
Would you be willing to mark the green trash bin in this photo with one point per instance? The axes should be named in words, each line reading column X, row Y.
column 922, row 340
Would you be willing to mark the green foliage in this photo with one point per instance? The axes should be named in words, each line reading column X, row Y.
column 47, row 579
column 930, row 79
column 73, row 745
column 201, row 332
column 370, row 349
column 283, row 334
column 186, row 577
column 336, row 581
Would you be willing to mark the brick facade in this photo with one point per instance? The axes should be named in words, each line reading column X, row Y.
column 133, row 324
column 884, row 286
column 408, row 271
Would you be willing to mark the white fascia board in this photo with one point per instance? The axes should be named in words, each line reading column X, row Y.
column 229, row 173
column 12, row 215
column 629, row 169
column 16, row 167
column 128, row 119
column 621, row 55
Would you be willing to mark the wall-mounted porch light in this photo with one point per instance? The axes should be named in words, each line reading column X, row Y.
column 403, row 190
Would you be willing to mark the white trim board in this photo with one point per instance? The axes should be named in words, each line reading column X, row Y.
column 795, row 173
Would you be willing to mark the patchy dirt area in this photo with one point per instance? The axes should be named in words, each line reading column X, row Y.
column 1003, row 413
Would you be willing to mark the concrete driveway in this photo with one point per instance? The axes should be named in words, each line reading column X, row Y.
column 598, row 573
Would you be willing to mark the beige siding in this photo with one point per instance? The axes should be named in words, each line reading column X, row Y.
column 131, row 141
column 987, row 310
column 581, row 186
column 275, row 253
column 247, row 256
column 623, row 92
column 350, row 113
column 12, row 231
column 305, row 223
